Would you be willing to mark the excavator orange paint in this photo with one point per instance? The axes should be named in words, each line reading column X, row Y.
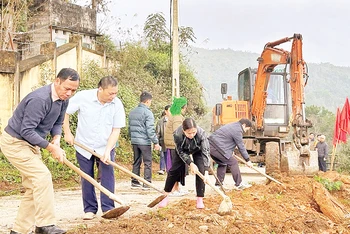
column 264, row 97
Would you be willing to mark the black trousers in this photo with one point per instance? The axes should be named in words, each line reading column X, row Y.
column 322, row 164
column 178, row 171
column 142, row 153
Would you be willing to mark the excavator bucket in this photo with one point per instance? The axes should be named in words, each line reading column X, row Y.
column 295, row 163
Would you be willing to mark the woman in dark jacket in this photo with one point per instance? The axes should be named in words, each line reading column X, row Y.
column 189, row 140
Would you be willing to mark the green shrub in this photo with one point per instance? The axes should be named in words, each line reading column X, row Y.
column 329, row 185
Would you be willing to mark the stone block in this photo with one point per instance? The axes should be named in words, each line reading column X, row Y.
column 8, row 61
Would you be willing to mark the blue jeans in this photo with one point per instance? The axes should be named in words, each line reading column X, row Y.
column 162, row 158
column 107, row 181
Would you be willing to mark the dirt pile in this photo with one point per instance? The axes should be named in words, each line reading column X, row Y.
column 258, row 209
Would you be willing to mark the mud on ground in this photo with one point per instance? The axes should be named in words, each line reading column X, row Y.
column 262, row 208
column 259, row 209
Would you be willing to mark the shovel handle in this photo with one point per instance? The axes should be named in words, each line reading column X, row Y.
column 92, row 181
column 119, row 167
column 210, row 184
column 267, row 176
column 217, row 179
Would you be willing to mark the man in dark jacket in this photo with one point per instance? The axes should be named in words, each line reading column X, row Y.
column 142, row 132
column 39, row 114
column 222, row 144
column 322, row 151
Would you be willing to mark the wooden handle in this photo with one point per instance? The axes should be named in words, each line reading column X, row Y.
column 267, row 176
column 92, row 181
column 119, row 167
column 211, row 185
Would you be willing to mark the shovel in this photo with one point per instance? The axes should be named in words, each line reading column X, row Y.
column 267, row 176
column 114, row 213
column 225, row 207
column 153, row 203
column 217, row 179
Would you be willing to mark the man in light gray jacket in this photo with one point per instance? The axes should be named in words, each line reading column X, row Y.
column 142, row 132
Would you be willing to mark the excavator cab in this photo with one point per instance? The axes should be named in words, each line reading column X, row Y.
column 277, row 112
column 272, row 144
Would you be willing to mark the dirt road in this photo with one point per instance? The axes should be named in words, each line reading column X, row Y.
column 69, row 208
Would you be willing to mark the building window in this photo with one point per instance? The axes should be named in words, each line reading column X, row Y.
column 60, row 41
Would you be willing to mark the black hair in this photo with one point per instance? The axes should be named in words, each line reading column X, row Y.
column 145, row 96
column 188, row 123
column 107, row 81
column 68, row 73
column 247, row 122
column 167, row 107
column 163, row 113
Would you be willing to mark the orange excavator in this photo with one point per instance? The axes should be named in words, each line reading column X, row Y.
column 264, row 98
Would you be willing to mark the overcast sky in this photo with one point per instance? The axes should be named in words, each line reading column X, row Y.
column 247, row 25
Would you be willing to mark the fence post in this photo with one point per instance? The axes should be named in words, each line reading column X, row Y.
column 49, row 49
column 16, row 91
column 79, row 41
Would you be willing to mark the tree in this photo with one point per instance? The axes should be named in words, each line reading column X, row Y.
column 158, row 35
column 186, row 34
column 155, row 30
column 323, row 121
column 108, row 45
column 13, row 14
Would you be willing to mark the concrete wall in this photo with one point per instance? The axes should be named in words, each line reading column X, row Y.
column 30, row 81
column 6, row 100
column 36, row 71
column 87, row 56
column 74, row 17
column 57, row 20
column 68, row 59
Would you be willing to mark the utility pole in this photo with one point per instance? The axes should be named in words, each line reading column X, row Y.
column 175, row 54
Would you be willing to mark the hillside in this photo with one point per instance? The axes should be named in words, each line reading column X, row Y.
column 327, row 85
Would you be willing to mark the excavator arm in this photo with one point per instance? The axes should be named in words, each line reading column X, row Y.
column 298, row 80
column 269, row 59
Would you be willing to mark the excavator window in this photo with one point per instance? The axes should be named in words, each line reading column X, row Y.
column 275, row 90
column 244, row 86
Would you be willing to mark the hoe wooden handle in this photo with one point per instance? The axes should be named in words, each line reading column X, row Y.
column 211, row 185
column 92, row 181
column 119, row 167
column 267, row 176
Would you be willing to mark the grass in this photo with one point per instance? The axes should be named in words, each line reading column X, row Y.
column 329, row 185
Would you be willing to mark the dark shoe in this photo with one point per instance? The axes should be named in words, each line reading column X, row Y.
column 135, row 185
column 13, row 232
column 146, row 187
column 52, row 229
